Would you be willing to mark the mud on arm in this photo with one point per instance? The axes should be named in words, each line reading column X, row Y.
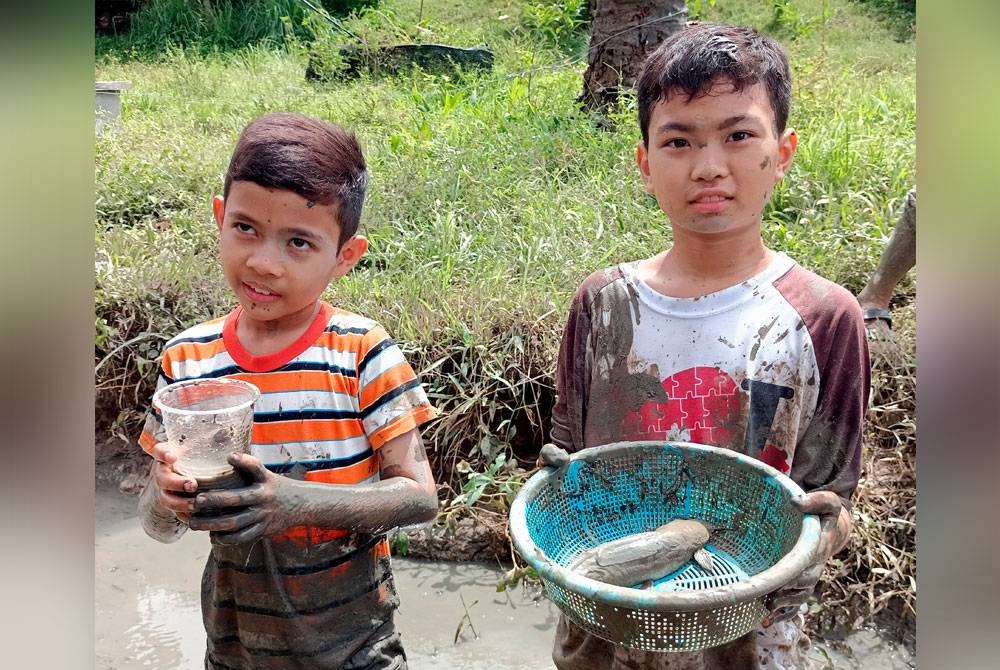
column 272, row 503
column 572, row 377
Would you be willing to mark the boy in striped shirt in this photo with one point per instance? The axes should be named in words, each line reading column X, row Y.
column 298, row 575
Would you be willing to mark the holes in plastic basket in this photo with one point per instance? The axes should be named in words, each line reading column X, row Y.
column 625, row 495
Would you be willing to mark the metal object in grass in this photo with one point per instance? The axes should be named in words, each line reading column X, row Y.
column 605, row 493
column 108, row 106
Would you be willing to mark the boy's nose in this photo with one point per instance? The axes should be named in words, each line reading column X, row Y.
column 710, row 164
column 264, row 262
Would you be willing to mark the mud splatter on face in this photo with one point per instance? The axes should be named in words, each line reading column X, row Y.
column 764, row 163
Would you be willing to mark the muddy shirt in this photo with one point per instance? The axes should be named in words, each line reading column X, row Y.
column 775, row 367
column 308, row 597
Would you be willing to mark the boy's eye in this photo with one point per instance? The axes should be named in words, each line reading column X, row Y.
column 676, row 143
column 243, row 227
column 740, row 135
column 299, row 243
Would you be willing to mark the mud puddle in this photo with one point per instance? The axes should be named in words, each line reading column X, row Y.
column 147, row 612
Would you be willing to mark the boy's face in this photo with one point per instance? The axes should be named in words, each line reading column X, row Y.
column 280, row 251
column 713, row 161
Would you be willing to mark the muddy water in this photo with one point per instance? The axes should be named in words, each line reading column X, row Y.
column 147, row 612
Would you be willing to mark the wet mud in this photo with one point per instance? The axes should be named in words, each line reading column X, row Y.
column 147, row 612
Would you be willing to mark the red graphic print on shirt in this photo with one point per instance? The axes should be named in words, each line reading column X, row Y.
column 705, row 405
column 704, row 402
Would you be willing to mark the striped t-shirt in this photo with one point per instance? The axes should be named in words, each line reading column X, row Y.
column 328, row 402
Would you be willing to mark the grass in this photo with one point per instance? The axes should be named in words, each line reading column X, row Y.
column 491, row 197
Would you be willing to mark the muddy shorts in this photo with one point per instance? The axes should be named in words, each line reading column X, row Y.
column 383, row 652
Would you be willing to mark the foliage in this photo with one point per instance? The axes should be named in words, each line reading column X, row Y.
column 698, row 8
column 345, row 7
column 220, row 25
column 788, row 20
column 556, row 22
column 899, row 15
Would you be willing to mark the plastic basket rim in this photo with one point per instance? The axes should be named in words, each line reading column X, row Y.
column 767, row 581
column 157, row 399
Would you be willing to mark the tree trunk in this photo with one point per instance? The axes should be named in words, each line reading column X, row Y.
column 623, row 33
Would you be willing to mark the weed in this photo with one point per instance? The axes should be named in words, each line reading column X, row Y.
column 556, row 22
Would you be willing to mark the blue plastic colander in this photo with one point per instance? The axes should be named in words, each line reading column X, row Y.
column 605, row 493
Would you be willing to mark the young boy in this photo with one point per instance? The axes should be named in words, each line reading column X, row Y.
column 718, row 340
column 298, row 575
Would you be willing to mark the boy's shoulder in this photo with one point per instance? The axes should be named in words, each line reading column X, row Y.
column 338, row 320
column 816, row 298
column 345, row 321
column 598, row 282
column 206, row 331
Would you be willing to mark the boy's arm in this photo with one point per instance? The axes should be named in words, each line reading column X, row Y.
column 572, row 375
column 827, row 462
column 274, row 503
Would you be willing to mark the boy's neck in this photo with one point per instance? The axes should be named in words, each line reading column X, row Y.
column 698, row 264
column 261, row 338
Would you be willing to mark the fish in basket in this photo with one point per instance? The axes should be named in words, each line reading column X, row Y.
column 662, row 546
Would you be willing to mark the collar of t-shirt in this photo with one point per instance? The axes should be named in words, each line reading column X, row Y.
column 272, row 361
column 713, row 303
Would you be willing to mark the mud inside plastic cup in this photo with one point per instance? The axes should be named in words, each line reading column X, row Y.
column 205, row 421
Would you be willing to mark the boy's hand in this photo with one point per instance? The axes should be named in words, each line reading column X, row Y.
column 248, row 513
column 552, row 456
column 172, row 490
column 835, row 526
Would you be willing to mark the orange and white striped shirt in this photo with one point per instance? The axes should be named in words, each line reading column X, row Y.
column 308, row 597
column 328, row 401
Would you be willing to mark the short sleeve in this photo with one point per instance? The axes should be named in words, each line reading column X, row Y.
column 391, row 399
column 152, row 430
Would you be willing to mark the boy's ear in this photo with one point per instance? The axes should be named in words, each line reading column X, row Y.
column 219, row 209
column 642, row 160
column 786, row 149
column 350, row 253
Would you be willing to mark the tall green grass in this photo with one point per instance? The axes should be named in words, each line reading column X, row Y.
column 222, row 25
column 492, row 195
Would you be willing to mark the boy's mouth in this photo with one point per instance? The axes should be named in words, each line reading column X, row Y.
column 260, row 293
column 710, row 203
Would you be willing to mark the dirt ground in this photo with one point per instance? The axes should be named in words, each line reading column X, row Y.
column 147, row 612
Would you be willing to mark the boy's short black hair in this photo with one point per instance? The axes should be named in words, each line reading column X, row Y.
column 316, row 159
column 692, row 60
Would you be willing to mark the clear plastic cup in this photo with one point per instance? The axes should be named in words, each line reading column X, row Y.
column 206, row 420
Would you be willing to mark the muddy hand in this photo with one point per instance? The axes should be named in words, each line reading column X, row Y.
column 828, row 507
column 552, row 456
column 785, row 603
column 172, row 490
column 244, row 514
